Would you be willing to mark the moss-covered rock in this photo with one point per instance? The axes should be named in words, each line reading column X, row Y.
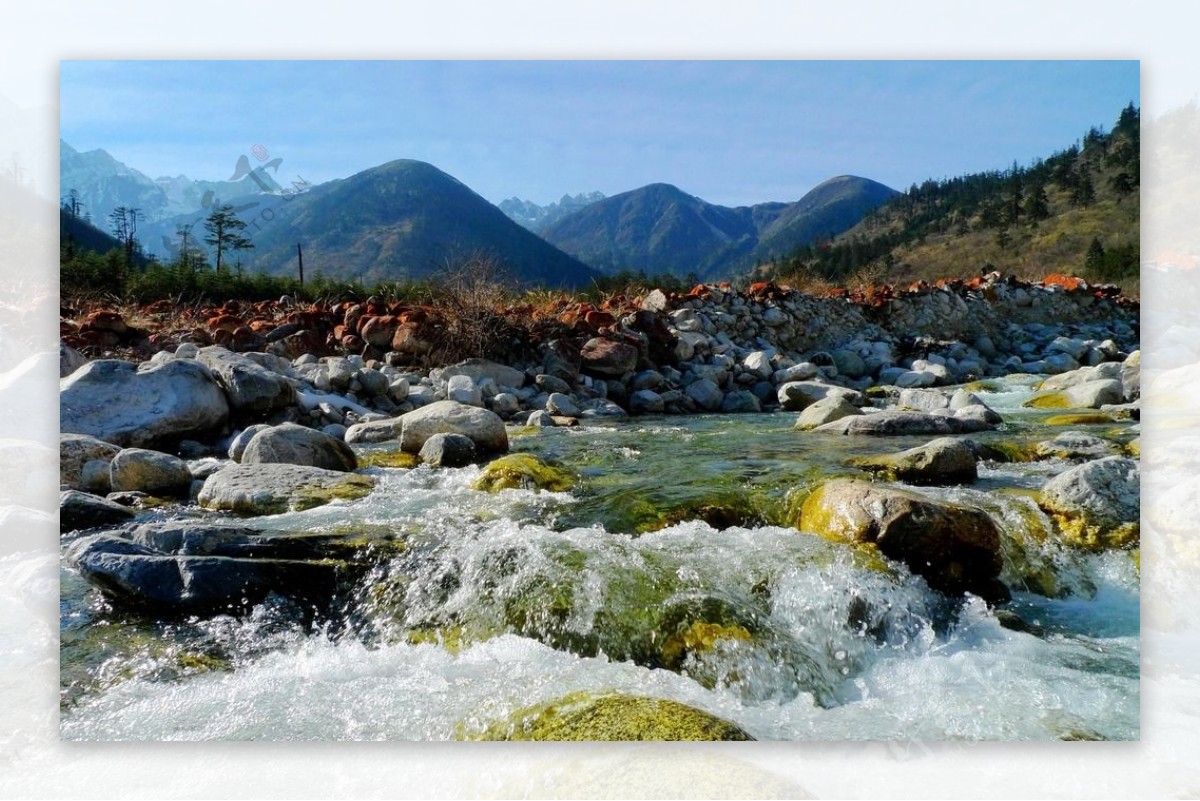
column 1005, row 451
column 400, row 460
column 523, row 471
column 262, row 489
column 1096, row 505
column 699, row 637
column 586, row 717
column 1080, row 419
column 955, row 548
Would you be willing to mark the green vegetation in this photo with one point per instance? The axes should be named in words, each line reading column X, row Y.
column 1074, row 212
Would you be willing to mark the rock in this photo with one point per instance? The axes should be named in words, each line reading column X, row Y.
column 707, row 395
column 448, row 450
column 293, row 444
column 741, row 401
column 541, row 418
column 797, row 372
column 942, row 461
column 1096, row 505
column 826, row 410
column 95, row 477
column 897, row 423
column 849, row 364
column 561, row 404
column 483, row 427
column 916, row 378
column 955, row 548
column 962, row 398
column 1074, row 348
column 523, row 471
column 923, row 400
column 604, row 357
column 151, row 472
column 479, row 369
column 76, row 450
column 646, row 401
column 141, row 576
column 1088, row 395
column 1075, row 445
column 758, row 364
column 462, row 389
column 129, row 406
column 69, row 360
column 1131, row 376
column 647, row 379
column 261, row 489
column 795, row 396
column 581, row 716
column 551, row 384
column 561, row 359
column 600, row 407
column 80, row 510
column 238, row 445
column 373, row 431
column 505, row 404
column 979, row 416
column 1083, row 375
column 248, row 386
column 374, row 383
column 655, row 301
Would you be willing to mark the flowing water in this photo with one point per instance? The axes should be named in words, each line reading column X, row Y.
column 668, row 572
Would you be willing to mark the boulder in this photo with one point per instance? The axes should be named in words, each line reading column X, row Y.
column 551, row 384
column 899, row 423
column 707, row 395
column 1075, row 445
column 80, row 510
column 373, row 431
column 741, row 401
column 826, row 410
column 293, row 444
column 69, row 360
column 462, row 389
column 1083, row 375
column 601, row 356
column 795, row 396
column 977, row 414
column 955, row 548
column 942, row 461
column 483, row 427
column 76, row 450
column 523, row 471
column 237, row 446
column 249, row 386
column 922, row 400
column 1131, row 376
column 448, row 450
column 479, row 369
column 1088, row 395
column 561, row 404
column 261, row 489
column 134, row 406
column 646, row 401
column 151, row 472
column 505, row 404
column 1096, row 505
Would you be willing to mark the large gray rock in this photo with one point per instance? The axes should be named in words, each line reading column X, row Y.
column 646, row 401
column 1088, row 395
column 955, row 548
column 1131, row 376
column 897, row 423
column 795, row 396
column 69, row 360
column 76, row 450
column 374, row 431
column 249, row 386
column 741, row 401
column 293, row 444
column 462, row 388
column 601, row 356
column 81, row 510
column 923, row 400
column 132, row 406
column 942, row 461
column 151, row 472
column 1096, row 504
column 826, row 410
column 707, row 395
column 1075, row 445
column 483, row 427
column 237, row 445
column 558, row 403
column 262, row 489
column 1083, row 375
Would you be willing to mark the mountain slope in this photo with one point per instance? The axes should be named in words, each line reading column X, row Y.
column 404, row 220
column 661, row 229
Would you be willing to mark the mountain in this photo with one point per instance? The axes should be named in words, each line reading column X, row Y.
column 103, row 183
column 537, row 218
column 1076, row 211
column 404, row 220
column 661, row 229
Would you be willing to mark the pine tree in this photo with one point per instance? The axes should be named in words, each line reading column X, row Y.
column 224, row 233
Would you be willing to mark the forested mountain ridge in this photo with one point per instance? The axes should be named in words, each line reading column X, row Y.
column 1076, row 211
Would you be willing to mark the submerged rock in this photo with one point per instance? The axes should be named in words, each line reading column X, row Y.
column 581, row 716
column 942, row 461
column 523, row 471
column 1096, row 505
column 955, row 548
column 898, row 423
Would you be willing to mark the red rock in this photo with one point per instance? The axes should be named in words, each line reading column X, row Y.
column 105, row 321
column 606, row 357
column 379, row 331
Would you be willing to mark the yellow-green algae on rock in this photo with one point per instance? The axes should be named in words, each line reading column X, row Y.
column 1081, row 419
column 699, row 637
column 523, row 471
column 585, row 717
column 393, row 459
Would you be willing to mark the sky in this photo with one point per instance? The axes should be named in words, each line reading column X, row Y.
column 730, row 132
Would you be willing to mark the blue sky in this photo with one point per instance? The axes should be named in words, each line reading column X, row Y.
column 731, row 132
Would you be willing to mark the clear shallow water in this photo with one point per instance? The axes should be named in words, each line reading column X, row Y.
column 504, row 601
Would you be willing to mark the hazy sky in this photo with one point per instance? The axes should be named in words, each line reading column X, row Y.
column 730, row 132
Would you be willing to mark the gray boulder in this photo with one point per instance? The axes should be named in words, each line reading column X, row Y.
column 80, row 510
column 249, row 386
column 1096, row 505
column 151, row 472
column 646, row 401
column 795, row 396
column 479, row 369
column 897, row 423
column 707, row 395
column 462, row 389
column 448, row 450
column 262, row 489
column 942, row 461
column 741, row 401
column 133, row 406
column 826, row 410
column 558, row 403
column 483, row 427
column 76, row 450
column 69, row 360
column 1075, row 445
column 238, row 445
column 373, row 431
column 293, row 444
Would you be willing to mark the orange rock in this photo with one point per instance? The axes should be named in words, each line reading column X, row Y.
column 225, row 322
column 105, row 320
column 1067, row 282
